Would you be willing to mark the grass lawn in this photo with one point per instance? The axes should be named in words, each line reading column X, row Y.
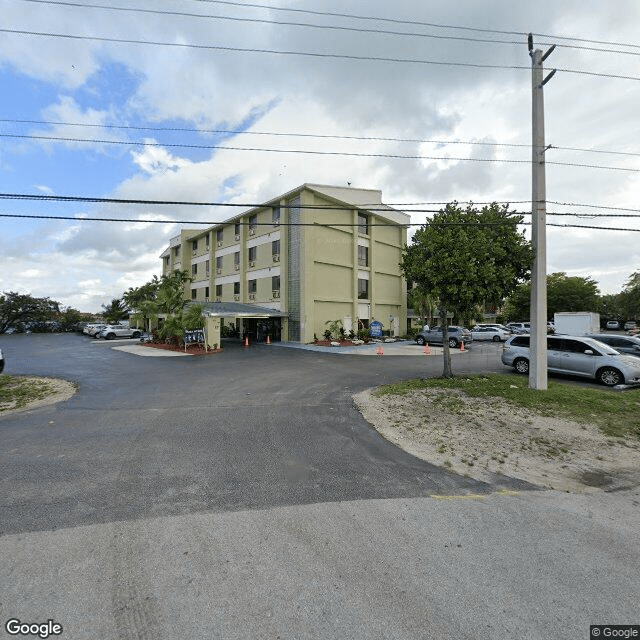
column 16, row 392
column 616, row 413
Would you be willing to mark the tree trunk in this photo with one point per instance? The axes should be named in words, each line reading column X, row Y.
column 446, row 353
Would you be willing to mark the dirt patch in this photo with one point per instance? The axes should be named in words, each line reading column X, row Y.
column 57, row 390
column 478, row 437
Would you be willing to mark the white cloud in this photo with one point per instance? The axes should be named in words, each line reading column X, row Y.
column 212, row 89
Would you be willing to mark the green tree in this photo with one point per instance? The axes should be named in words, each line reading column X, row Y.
column 170, row 295
column 630, row 297
column 422, row 302
column 18, row 308
column 468, row 257
column 142, row 301
column 564, row 293
column 115, row 311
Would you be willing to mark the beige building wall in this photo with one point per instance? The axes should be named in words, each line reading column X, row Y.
column 318, row 266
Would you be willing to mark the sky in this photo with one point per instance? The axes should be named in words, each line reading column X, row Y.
column 139, row 100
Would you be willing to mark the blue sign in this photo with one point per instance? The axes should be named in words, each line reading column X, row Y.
column 376, row 329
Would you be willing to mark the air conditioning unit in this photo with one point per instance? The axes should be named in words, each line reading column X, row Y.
column 219, row 243
column 252, row 232
column 252, row 263
column 237, row 267
column 276, row 257
column 218, row 271
column 276, row 223
column 206, row 299
column 218, row 299
column 236, row 297
column 206, row 248
column 252, row 296
column 237, row 236
column 276, row 294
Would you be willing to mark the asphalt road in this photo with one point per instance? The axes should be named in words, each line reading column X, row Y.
column 242, row 495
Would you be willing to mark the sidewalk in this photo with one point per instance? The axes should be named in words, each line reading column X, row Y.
column 404, row 348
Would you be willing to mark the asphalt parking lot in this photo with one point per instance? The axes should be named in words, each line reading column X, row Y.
column 241, row 495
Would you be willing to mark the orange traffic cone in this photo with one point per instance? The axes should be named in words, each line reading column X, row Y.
column 268, row 339
column 427, row 351
column 380, row 351
column 462, row 346
column 246, row 341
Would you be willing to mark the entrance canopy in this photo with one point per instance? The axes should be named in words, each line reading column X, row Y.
column 237, row 310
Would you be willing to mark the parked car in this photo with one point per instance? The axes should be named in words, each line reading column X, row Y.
column 623, row 344
column 93, row 329
column 487, row 332
column 613, row 324
column 578, row 356
column 456, row 336
column 111, row 331
column 629, row 325
column 1, row 361
column 519, row 327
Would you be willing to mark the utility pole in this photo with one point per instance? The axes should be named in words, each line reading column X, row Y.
column 538, row 341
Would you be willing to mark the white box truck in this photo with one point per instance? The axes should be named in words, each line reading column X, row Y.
column 576, row 323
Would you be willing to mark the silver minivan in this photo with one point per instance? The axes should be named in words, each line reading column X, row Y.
column 577, row 356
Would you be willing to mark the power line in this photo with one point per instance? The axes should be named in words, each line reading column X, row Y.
column 310, row 135
column 396, row 156
column 301, row 224
column 319, row 26
column 263, row 149
column 312, row 54
column 416, row 22
column 245, row 205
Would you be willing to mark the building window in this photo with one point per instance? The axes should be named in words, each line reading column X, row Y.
column 237, row 229
column 253, row 252
column 252, row 286
column 194, row 269
column 275, row 248
column 194, row 293
column 236, row 259
column 276, row 215
column 363, row 289
column 194, row 245
column 206, row 267
column 206, row 292
column 220, row 235
column 363, row 256
column 275, row 283
column 363, row 224
column 219, row 290
column 253, row 222
column 236, row 288
column 219, row 262
column 166, row 261
column 176, row 251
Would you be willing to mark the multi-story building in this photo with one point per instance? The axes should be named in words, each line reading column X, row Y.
column 311, row 256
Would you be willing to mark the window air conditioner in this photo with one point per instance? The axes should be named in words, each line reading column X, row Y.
column 236, row 297
column 252, row 263
column 237, row 236
column 252, row 296
column 218, row 271
column 276, row 294
column 252, row 232
column 237, row 267
column 276, row 257
column 219, row 243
